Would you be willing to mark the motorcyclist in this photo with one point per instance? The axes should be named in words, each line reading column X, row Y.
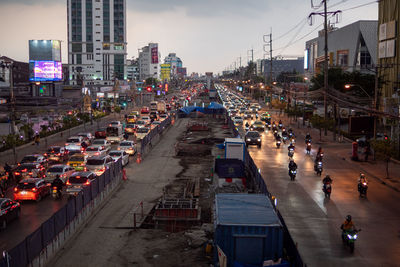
column 320, row 153
column 278, row 137
column 84, row 145
column 361, row 180
column 247, row 125
column 347, row 225
column 280, row 123
column 327, row 180
column 292, row 166
column 308, row 138
column 291, row 146
column 57, row 182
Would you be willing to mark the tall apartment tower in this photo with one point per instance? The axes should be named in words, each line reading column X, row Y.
column 96, row 41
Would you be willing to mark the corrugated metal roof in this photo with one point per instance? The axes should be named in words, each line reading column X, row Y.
column 245, row 209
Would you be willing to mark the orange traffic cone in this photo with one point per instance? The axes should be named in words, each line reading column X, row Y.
column 124, row 175
column 138, row 158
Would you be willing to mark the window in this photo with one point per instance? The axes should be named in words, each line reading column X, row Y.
column 106, row 46
column 79, row 59
column 97, row 17
column 343, row 58
column 89, row 47
column 76, row 47
column 97, row 24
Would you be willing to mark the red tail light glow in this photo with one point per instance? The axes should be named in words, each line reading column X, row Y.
column 15, row 189
column 68, row 183
column 34, row 189
column 87, row 182
column 17, row 173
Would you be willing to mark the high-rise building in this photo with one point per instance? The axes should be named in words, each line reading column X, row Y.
column 96, row 41
column 149, row 62
column 175, row 63
column 132, row 69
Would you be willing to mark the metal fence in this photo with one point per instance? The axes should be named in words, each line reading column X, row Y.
column 38, row 248
column 146, row 141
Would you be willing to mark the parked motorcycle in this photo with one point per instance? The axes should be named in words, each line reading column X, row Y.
column 292, row 174
column 327, row 189
column 362, row 189
column 349, row 238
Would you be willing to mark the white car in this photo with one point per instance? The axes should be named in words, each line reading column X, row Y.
column 64, row 171
column 146, row 119
column 98, row 165
column 102, row 142
column 95, row 151
column 120, row 154
column 163, row 116
column 141, row 123
column 141, row 133
column 74, row 144
column 237, row 120
column 115, row 123
column 127, row 146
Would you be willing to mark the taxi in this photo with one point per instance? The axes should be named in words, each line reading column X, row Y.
column 78, row 162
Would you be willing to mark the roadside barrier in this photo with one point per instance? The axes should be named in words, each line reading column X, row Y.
column 138, row 158
column 41, row 245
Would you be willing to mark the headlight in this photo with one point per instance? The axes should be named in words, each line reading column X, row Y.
column 248, row 140
column 258, row 139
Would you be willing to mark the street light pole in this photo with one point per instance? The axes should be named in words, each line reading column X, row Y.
column 12, row 117
column 326, row 64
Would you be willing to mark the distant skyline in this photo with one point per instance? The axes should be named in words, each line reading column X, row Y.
column 207, row 35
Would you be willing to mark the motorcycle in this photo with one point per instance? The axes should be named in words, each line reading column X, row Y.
column 327, row 189
column 318, row 168
column 56, row 192
column 292, row 174
column 291, row 152
column 349, row 238
column 247, row 128
column 308, row 148
column 362, row 188
column 280, row 125
column 284, row 139
column 278, row 144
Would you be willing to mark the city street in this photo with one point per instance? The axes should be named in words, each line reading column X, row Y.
column 314, row 220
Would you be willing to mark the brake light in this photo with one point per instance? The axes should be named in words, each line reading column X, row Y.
column 30, row 173
column 54, row 187
column 34, row 189
column 97, row 153
column 66, row 144
column 68, row 183
column 45, row 154
column 17, row 173
column 87, row 182
column 24, row 170
column 58, row 154
column 15, row 189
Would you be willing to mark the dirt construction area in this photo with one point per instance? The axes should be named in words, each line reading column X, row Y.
column 173, row 188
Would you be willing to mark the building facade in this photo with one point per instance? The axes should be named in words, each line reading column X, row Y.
column 132, row 69
column 96, row 41
column 279, row 66
column 388, row 56
column 352, row 48
column 175, row 63
column 149, row 58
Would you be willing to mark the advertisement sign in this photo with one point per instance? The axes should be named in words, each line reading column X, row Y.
column 306, row 59
column 49, row 50
column 154, row 55
column 382, row 50
column 45, row 71
column 390, row 48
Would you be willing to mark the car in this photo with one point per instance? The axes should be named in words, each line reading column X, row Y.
column 140, row 123
column 78, row 161
column 146, row 119
column 64, row 171
column 101, row 133
column 237, row 120
column 127, row 146
column 102, row 142
column 9, row 211
column 130, row 128
column 141, row 132
column 28, row 170
column 248, row 115
column 98, row 164
column 120, row 154
column 31, row 189
column 56, row 154
column 115, row 123
column 87, row 137
column 144, row 110
column 163, row 117
column 74, row 144
column 153, row 115
column 265, row 117
column 95, row 151
column 258, row 126
column 78, row 180
column 253, row 138
column 135, row 112
column 35, row 158
column 154, row 124
column 131, row 118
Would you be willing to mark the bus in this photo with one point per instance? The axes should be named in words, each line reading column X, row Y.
column 114, row 134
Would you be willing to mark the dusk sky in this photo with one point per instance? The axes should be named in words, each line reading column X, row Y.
column 208, row 35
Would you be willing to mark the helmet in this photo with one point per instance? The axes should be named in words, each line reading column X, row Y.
column 362, row 175
column 327, row 176
column 348, row 218
column 308, row 134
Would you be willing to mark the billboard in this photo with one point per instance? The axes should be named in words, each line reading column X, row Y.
column 165, row 72
column 45, row 70
column 154, row 55
column 45, row 50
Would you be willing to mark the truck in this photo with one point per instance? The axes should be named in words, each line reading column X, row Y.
column 153, row 105
column 161, row 107
column 115, row 133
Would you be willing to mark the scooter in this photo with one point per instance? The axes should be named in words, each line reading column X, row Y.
column 56, row 193
column 291, row 152
column 280, row 125
column 318, row 168
column 362, row 188
column 308, row 148
column 349, row 238
column 292, row 174
column 278, row 144
column 284, row 139
column 327, row 189
column 247, row 128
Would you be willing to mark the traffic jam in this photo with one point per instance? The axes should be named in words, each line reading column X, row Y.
column 64, row 170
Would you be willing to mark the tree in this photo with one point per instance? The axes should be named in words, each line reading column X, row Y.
column 28, row 131
column 383, row 149
column 249, row 72
column 117, row 109
column 321, row 123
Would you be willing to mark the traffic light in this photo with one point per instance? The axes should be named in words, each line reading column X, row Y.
column 139, row 89
column 124, row 104
column 153, row 86
column 149, row 88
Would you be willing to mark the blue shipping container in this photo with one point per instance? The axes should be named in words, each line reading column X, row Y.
column 247, row 229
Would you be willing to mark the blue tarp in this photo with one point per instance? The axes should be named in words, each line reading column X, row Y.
column 215, row 105
column 189, row 109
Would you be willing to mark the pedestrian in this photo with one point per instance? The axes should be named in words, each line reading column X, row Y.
column 37, row 139
column 367, row 151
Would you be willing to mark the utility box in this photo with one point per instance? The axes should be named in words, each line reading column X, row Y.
column 247, row 230
column 235, row 148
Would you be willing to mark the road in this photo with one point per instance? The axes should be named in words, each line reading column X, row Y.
column 314, row 221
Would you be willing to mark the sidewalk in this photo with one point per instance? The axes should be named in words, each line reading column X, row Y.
column 372, row 169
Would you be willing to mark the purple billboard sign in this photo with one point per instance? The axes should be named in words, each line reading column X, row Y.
column 154, row 55
column 45, row 71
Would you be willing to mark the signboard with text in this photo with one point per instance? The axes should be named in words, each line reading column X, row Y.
column 154, row 55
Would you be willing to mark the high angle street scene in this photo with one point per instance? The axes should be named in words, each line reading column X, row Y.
column 199, row 133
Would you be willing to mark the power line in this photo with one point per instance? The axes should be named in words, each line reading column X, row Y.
column 366, row 4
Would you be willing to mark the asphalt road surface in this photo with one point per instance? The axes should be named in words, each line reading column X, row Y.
column 314, row 220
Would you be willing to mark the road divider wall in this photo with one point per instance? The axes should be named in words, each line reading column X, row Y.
column 40, row 247
column 153, row 136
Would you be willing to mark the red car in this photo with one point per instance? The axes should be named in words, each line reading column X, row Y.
column 31, row 189
column 101, row 133
column 145, row 110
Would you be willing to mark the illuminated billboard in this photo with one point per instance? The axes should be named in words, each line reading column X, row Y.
column 154, row 55
column 306, row 52
column 45, row 71
column 45, row 50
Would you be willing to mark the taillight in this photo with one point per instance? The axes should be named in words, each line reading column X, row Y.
column 87, row 182
column 30, row 173
column 68, row 183
column 54, row 187
column 34, row 189
column 17, row 173
column 97, row 153
column 15, row 189
column 66, row 144
column 58, row 154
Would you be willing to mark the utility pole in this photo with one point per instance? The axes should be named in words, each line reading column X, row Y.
column 326, row 86
column 12, row 117
column 270, row 81
column 375, row 100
